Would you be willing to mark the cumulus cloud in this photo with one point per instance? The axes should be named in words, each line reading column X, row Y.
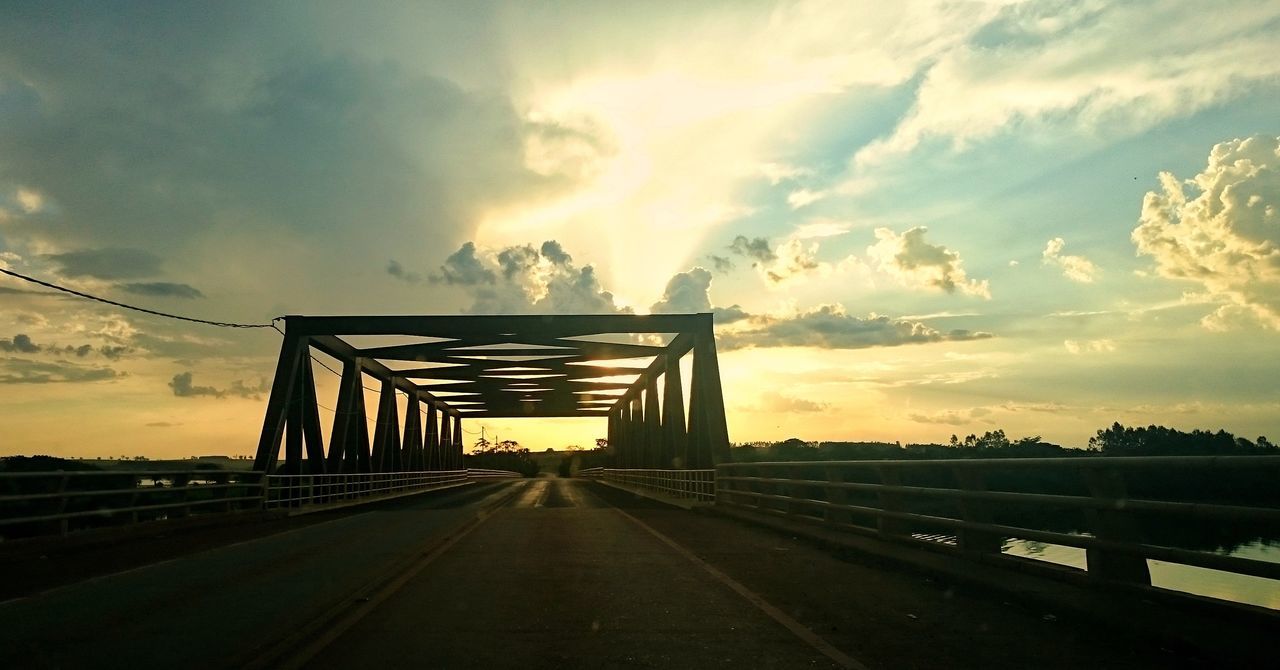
column 1225, row 234
column 686, row 292
column 917, row 264
column 792, row 259
column 831, row 327
column 463, row 268
column 106, row 263
column 162, row 289
column 1075, row 268
column 183, row 387
column 521, row 279
column 20, row 343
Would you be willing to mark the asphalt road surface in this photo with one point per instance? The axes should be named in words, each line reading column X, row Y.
column 544, row 573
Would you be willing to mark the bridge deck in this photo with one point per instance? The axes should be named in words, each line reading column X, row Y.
column 557, row 573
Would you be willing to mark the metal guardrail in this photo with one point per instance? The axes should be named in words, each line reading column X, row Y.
column 684, row 484
column 962, row 516
column 43, row 503
column 307, row 490
column 57, row 503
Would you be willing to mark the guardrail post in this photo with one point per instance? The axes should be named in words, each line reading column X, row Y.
column 1110, row 522
column 836, row 495
column 890, row 502
column 975, row 511
column 64, row 525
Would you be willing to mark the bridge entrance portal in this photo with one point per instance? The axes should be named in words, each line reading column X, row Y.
column 488, row 367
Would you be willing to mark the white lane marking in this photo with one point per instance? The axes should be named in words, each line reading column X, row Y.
column 797, row 628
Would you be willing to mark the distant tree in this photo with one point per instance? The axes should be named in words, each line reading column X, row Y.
column 602, row 443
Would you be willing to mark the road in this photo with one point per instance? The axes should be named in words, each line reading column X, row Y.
column 541, row 573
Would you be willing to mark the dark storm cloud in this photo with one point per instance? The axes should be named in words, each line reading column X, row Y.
column 148, row 129
column 106, row 263
column 24, row 371
column 163, row 289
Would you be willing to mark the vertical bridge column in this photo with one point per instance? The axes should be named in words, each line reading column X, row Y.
column 707, row 404
column 431, row 441
column 292, row 415
column 457, row 442
column 652, row 427
column 675, row 442
column 412, row 454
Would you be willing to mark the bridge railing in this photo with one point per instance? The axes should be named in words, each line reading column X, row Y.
column 43, row 503
column 308, row 490
column 697, row 485
column 1115, row 508
column 57, row 503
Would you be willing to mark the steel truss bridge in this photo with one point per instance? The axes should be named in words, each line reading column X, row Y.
column 463, row 367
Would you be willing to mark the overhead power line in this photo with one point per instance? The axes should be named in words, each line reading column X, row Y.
column 86, row 296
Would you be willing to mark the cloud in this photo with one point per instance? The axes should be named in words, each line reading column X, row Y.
column 686, row 293
column 825, row 326
column 721, row 264
column 106, row 263
column 161, row 424
column 951, row 417
column 162, row 289
column 24, row 371
column 777, row 173
column 757, row 249
column 791, row 260
column 821, row 228
column 773, row 401
column 20, row 343
column 1225, row 234
column 395, row 269
column 794, row 259
column 1089, row 346
column 464, row 268
column 23, row 344
column 1086, row 67
column 520, row 279
column 917, row 264
column 184, row 388
column 250, row 390
column 1075, row 268
column 830, row 327
column 804, row 197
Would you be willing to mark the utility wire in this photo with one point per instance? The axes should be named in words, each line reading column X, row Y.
column 222, row 324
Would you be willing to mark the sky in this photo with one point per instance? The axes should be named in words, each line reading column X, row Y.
column 911, row 219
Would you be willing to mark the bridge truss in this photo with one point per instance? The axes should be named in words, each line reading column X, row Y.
column 455, row 367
